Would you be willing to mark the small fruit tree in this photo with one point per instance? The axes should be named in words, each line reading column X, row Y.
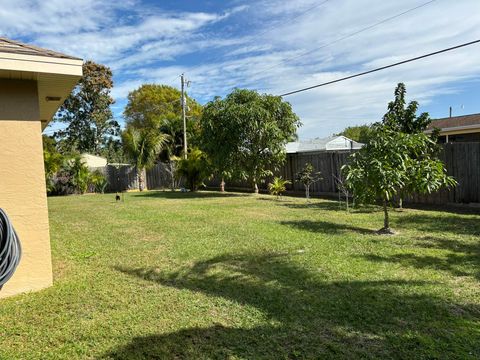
column 308, row 176
column 391, row 160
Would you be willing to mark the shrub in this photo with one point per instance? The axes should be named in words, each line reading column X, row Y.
column 195, row 169
column 98, row 182
column 278, row 186
column 80, row 175
column 52, row 163
column 74, row 177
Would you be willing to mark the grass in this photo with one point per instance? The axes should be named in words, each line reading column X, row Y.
column 212, row 276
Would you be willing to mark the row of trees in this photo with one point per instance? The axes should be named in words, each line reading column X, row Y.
column 242, row 136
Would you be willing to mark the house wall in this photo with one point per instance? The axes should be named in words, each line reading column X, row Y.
column 22, row 184
column 19, row 100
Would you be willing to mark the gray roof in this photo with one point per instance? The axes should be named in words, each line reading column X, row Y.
column 16, row 47
column 331, row 143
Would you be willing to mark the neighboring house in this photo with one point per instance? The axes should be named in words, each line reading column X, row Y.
column 93, row 161
column 464, row 128
column 34, row 82
column 332, row 143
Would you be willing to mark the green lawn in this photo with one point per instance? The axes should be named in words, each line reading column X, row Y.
column 175, row 276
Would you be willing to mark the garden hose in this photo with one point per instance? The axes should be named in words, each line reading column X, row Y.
column 10, row 249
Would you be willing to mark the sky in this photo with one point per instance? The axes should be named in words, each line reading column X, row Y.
column 272, row 46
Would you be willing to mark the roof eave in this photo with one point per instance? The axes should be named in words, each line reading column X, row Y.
column 55, row 77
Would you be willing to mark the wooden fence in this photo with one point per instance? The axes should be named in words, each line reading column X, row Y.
column 328, row 163
column 124, row 177
column 121, row 178
column 462, row 161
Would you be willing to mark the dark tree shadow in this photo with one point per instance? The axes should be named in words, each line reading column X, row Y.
column 167, row 194
column 462, row 259
column 326, row 227
column 309, row 317
column 332, row 205
column 432, row 223
column 446, row 208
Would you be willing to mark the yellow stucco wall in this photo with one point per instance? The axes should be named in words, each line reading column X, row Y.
column 19, row 100
column 22, row 184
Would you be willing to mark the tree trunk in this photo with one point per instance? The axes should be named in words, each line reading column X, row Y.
column 172, row 175
column 386, row 221
column 222, row 185
column 137, row 178
column 400, row 203
column 307, row 192
column 255, row 187
column 140, row 180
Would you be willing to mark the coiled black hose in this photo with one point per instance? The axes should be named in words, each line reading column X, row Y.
column 10, row 249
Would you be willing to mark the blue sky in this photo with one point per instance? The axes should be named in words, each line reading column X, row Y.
column 271, row 45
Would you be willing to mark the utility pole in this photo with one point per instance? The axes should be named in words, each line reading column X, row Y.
column 184, row 117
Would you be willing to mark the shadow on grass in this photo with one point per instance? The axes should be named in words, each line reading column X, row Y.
column 333, row 206
column 184, row 195
column 460, row 258
column 441, row 223
column 326, row 227
column 447, row 208
column 308, row 316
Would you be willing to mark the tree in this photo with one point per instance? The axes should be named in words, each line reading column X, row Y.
column 219, row 139
column 195, row 168
column 260, row 126
column 307, row 176
column 389, row 161
column 142, row 146
column 87, row 112
column 403, row 118
column 360, row 133
column 157, row 107
column 113, row 151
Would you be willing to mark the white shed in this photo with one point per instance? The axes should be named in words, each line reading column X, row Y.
column 332, row 143
column 93, row 161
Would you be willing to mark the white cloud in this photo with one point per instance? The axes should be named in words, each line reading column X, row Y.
column 272, row 45
column 330, row 109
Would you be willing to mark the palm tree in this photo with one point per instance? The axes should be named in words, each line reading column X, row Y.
column 52, row 162
column 143, row 147
column 195, row 168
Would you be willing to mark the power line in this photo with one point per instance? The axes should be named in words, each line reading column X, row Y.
column 294, row 18
column 382, row 68
column 342, row 38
